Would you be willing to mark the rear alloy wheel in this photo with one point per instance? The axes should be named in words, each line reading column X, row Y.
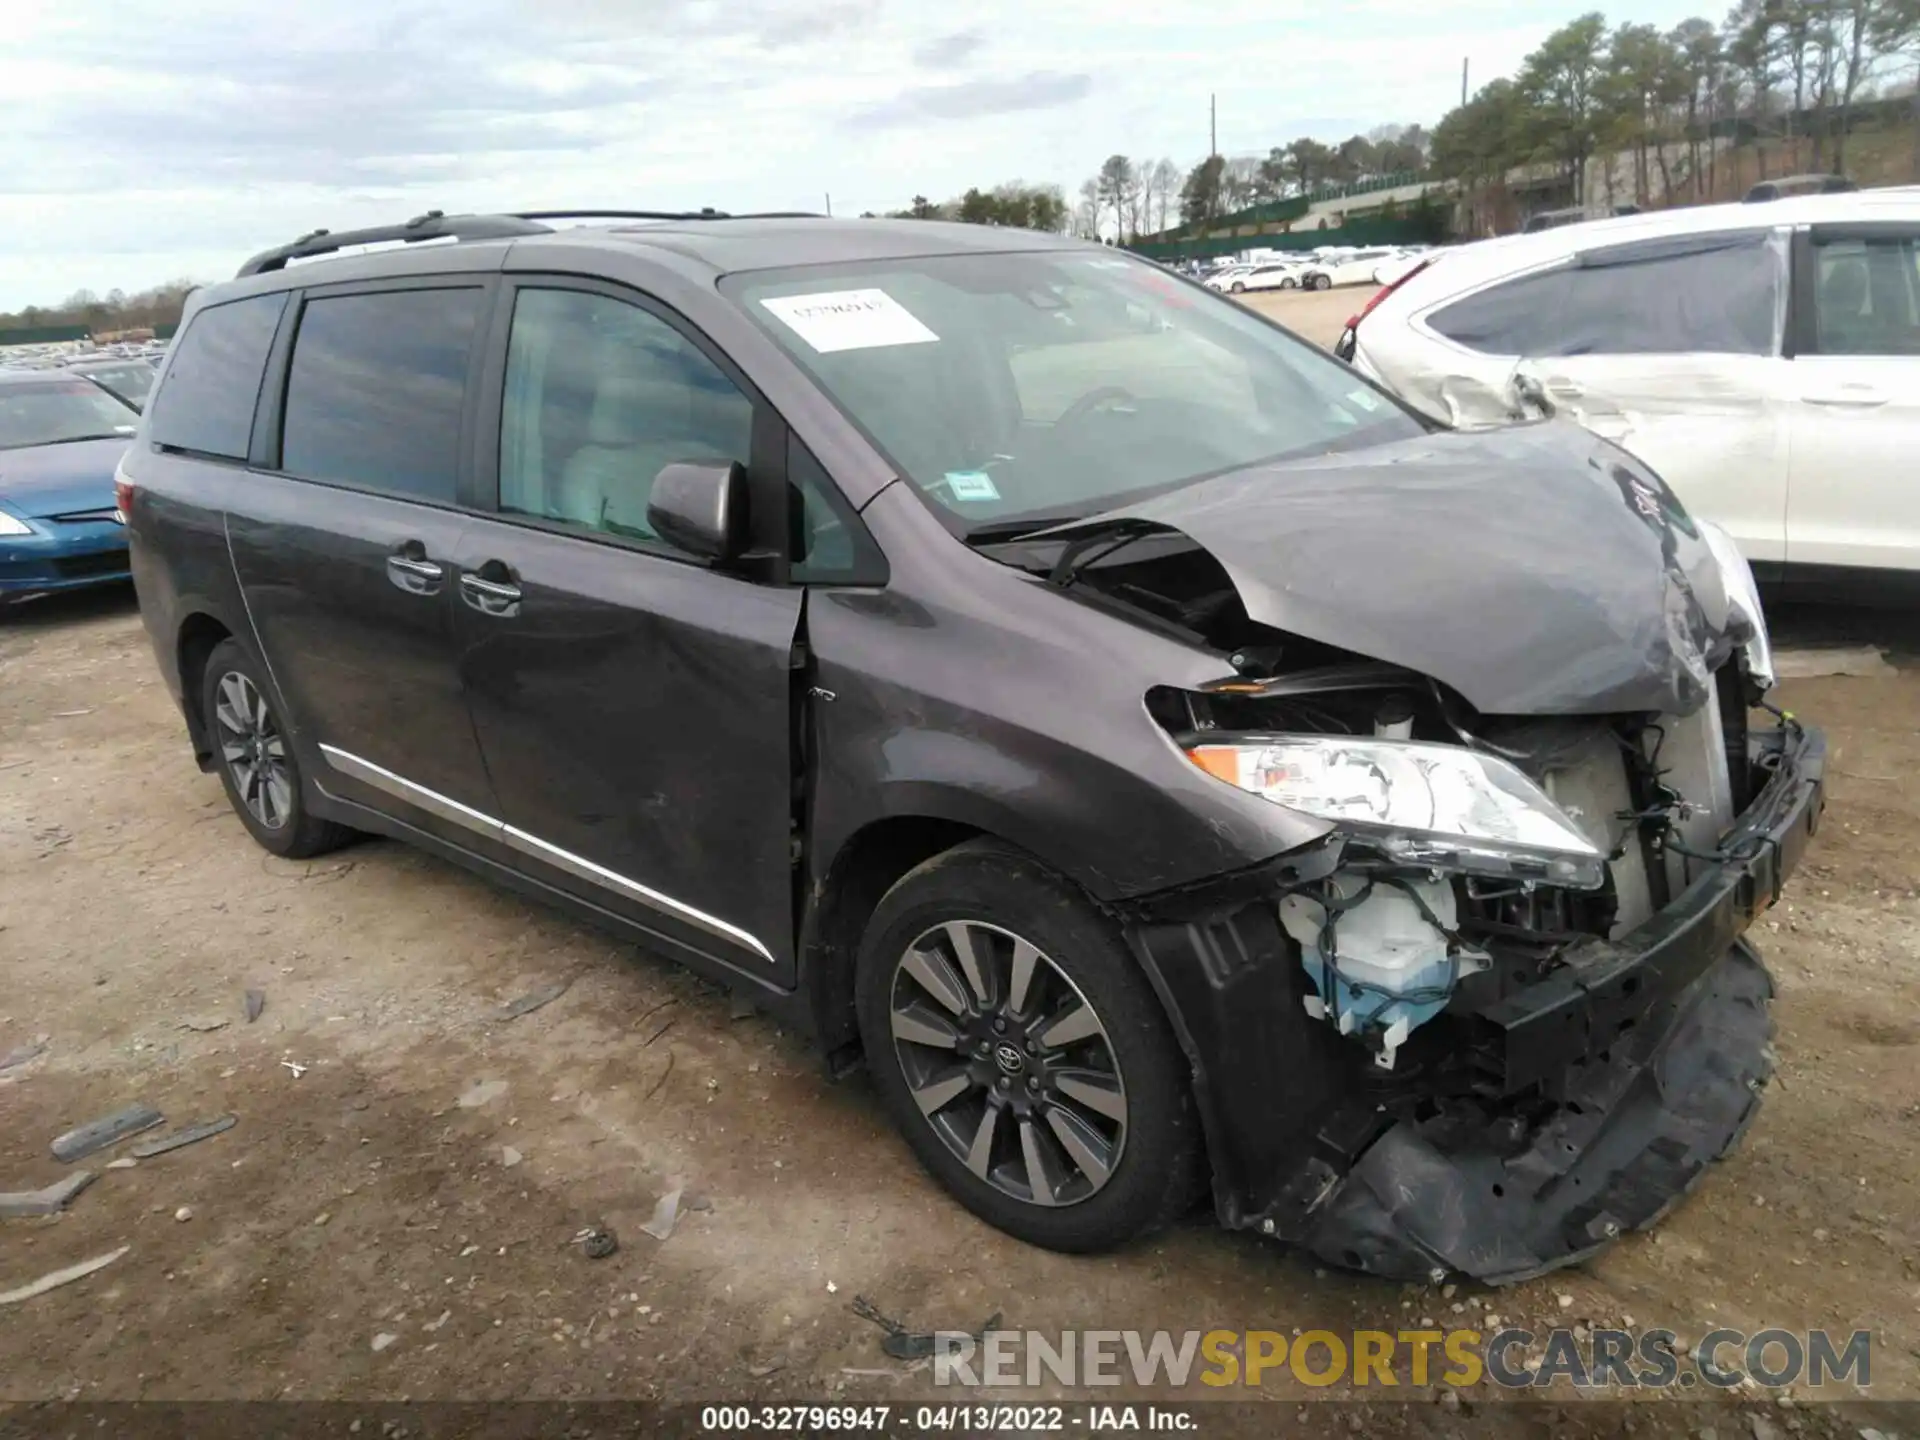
column 255, row 758
column 1023, row 1054
column 1321, row 282
column 1238, row 288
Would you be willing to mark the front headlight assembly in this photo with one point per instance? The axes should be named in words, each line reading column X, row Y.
column 1441, row 806
column 13, row 525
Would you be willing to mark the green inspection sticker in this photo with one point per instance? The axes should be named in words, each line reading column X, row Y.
column 971, row 485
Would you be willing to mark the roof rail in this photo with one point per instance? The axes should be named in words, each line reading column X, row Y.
column 706, row 212
column 434, row 225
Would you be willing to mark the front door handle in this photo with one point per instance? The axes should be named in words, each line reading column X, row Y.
column 409, row 569
column 1858, row 397
column 490, row 597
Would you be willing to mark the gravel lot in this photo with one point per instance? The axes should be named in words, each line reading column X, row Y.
column 409, row 1164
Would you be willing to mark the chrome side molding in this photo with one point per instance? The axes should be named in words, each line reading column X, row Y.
column 434, row 803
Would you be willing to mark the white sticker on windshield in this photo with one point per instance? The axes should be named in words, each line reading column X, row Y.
column 971, row 485
column 1365, row 399
column 849, row 320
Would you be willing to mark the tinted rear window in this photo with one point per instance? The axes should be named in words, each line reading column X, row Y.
column 375, row 388
column 1702, row 294
column 213, row 380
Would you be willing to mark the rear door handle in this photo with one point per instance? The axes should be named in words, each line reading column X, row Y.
column 490, row 597
column 409, row 569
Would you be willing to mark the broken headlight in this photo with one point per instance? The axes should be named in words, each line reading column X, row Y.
column 1421, row 804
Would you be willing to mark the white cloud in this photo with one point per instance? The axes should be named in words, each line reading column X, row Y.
column 155, row 141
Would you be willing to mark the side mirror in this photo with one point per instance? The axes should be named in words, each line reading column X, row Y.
column 700, row 506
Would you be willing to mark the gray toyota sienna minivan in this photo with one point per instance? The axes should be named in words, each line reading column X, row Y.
column 1162, row 758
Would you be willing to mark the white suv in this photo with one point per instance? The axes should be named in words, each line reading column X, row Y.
column 1765, row 359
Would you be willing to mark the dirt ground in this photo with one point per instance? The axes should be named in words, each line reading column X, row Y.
column 408, row 1164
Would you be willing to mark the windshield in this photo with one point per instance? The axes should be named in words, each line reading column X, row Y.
column 1057, row 385
column 131, row 381
column 52, row 412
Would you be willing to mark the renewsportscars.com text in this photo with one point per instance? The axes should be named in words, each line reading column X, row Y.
column 1615, row 1359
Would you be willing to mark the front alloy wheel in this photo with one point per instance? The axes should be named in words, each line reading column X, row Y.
column 1017, row 1044
column 1009, row 1063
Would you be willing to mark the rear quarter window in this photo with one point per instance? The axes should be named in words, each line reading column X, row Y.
column 1515, row 317
column 212, row 384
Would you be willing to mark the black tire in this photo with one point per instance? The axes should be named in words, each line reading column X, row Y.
column 1289, row 284
column 1156, row 1175
column 280, row 822
column 1323, row 282
column 1237, row 287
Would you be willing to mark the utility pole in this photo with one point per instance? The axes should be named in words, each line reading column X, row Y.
column 1463, row 79
column 829, row 204
column 1213, row 127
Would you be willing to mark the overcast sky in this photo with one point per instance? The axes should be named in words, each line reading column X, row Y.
column 143, row 142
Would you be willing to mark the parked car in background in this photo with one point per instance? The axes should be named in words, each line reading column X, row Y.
column 1791, row 185
column 1355, row 267
column 1122, row 725
column 1763, row 360
column 60, row 437
column 1276, row 275
column 1223, row 279
column 129, row 380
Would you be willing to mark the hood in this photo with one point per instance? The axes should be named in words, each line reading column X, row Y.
column 43, row 480
column 1535, row 569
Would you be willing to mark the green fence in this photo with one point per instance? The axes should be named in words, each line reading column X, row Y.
column 1370, row 230
column 42, row 334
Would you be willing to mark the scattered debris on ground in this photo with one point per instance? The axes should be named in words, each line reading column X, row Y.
column 254, row 1003
column 21, row 1054
column 205, row 1024
column 534, row 1000
column 597, row 1242
column 905, row 1344
column 62, row 1277
column 48, row 1200
column 666, row 1214
column 294, row 1067
column 186, row 1135
column 481, row 1092
column 84, row 1140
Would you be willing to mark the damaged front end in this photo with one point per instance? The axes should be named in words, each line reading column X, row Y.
column 1423, row 1054
column 1501, row 1011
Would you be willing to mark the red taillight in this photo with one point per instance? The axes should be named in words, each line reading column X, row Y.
column 122, row 499
column 1386, row 290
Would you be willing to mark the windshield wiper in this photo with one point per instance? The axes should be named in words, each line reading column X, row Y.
column 994, row 532
column 1098, row 543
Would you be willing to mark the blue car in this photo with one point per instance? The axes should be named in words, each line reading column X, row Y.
column 60, row 438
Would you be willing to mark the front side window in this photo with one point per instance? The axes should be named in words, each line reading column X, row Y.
column 1866, row 297
column 601, row 396
column 59, row 412
column 213, row 378
column 1057, row 384
column 375, row 389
